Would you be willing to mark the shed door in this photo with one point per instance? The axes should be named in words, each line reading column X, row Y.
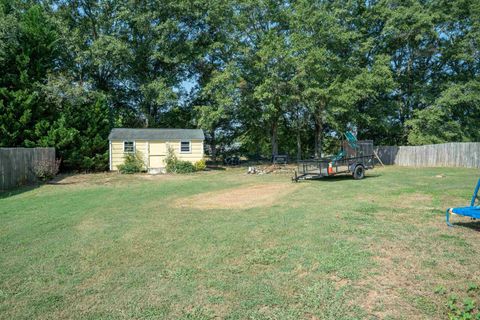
column 157, row 154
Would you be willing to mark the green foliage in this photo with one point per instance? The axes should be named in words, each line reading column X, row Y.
column 184, row 167
column 40, row 106
column 200, row 165
column 30, row 53
column 465, row 310
column 259, row 76
column 433, row 125
column 219, row 99
column 133, row 164
column 462, row 308
column 174, row 165
column 171, row 159
column 453, row 117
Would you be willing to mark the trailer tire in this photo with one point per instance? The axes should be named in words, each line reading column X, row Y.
column 358, row 172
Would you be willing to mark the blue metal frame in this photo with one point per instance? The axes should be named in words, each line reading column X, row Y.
column 468, row 211
column 448, row 218
column 475, row 193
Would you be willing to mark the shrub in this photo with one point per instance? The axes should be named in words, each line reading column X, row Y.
column 171, row 160
column 184, row 167
column 200, row 165
column 173, row 165
column 133, row 164
column 45, row 170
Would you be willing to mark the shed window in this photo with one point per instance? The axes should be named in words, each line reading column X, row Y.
column 185, row 146
column 128, row 147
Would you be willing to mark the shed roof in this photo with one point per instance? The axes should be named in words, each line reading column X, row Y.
column 155, row 134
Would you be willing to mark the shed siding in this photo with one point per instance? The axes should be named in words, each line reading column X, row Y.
column 154, row 151
column 141, row 147
column 117, row 155
column 196, row 153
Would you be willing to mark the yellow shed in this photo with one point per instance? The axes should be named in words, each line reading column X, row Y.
column 152, row 145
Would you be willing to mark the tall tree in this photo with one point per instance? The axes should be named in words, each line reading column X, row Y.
column 220, row 98
column 266, row 64
column 325, row 59
column 410, row 37
column 269, row 76
column 28, row 53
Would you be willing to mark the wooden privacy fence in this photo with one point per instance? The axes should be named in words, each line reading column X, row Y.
column 455, row 154
column 17, row 165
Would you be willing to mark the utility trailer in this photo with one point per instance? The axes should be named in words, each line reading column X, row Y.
column 355, row 157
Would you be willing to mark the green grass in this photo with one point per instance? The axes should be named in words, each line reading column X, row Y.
column 108, row 246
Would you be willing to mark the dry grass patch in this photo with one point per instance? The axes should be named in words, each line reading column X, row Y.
column 406, row 274
column 414, row 201
column 394, row 276
column 114, row 178
column 90, row 225
column 85, row 179
column 245, row 197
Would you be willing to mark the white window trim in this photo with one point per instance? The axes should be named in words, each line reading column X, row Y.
column 189, row 146
column 134, row 146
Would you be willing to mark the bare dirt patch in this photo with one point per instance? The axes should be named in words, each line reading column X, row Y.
column 246, row 197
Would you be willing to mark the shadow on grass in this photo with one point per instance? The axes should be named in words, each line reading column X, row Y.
column 18, row 190
column 215, row 168
column 58, row 183
column 31, row 186
column 344, row 177
column 58, row 180
column 472, row 224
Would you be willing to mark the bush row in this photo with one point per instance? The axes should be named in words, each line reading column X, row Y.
column 133, row 164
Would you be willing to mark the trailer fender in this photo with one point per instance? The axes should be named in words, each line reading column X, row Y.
column 352, row 167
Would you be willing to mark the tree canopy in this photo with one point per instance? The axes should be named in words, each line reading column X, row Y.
column 261, row 77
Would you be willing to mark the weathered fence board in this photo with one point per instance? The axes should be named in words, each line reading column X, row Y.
column 455, row 154
column 17, row 165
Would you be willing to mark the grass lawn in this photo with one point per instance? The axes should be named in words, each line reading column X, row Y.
column 227, row 245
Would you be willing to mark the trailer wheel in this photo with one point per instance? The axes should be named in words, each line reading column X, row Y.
column 358, row 172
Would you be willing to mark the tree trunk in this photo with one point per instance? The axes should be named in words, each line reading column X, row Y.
column 299, row 145
column 318, row 137
column 274, row 136
column 213, row 146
